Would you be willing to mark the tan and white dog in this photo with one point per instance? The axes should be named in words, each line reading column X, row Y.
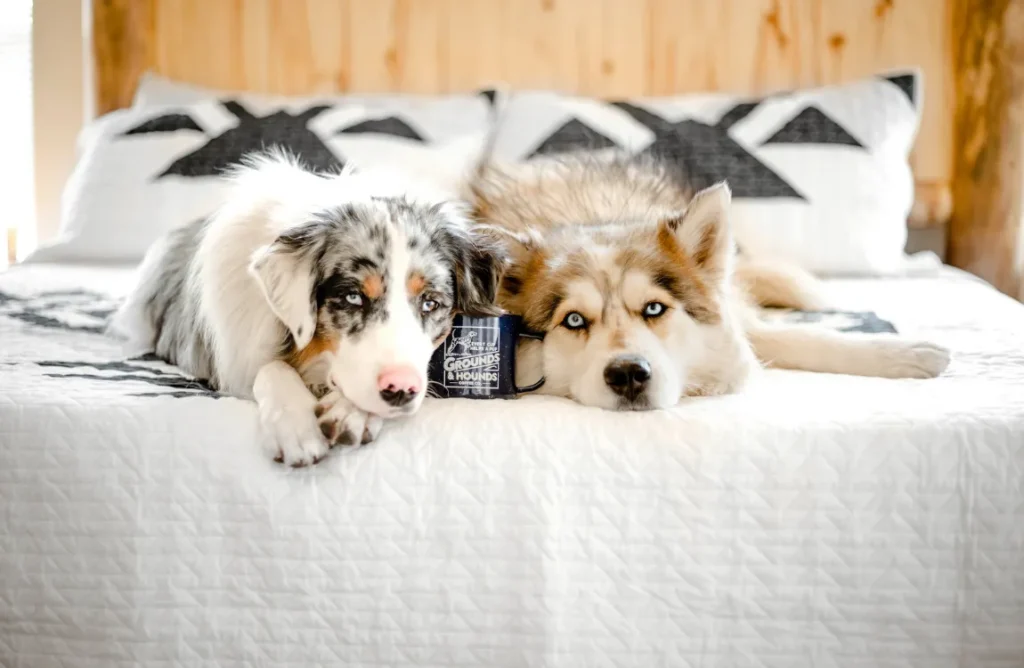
column 635, row 282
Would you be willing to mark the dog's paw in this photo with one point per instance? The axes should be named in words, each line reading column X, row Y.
column 341, row 423
column 294, row 436
column 914, row 359
column 372, row 429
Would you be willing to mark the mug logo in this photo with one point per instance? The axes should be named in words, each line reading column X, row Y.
column 472, row 358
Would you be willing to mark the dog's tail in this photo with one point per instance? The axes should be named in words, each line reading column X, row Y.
column 131, row 322
column 159, row 286
column 774, row 284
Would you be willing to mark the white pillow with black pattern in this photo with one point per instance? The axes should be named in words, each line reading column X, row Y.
column 143, row 171
column 819, row 177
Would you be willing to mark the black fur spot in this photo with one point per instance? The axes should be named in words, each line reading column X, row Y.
column 363, row 262
column 335, row 287
column 670, row 284
column 347, row 212
column 513, row 285
column 548, row 308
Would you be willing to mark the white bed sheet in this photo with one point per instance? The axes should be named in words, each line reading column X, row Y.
column 811, row 520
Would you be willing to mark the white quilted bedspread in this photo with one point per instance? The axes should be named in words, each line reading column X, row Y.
column 813, row 520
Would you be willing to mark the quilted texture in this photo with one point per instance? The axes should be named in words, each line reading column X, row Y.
column 813, row 520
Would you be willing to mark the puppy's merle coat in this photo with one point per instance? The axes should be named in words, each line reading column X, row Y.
column 305, row 287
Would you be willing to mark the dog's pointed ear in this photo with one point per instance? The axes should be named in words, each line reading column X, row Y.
column 703, row 230
column 284, row 272
column 520, row 251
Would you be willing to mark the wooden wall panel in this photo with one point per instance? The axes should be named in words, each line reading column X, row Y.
column 123, row 45
column 986, row 233
column 597, row 47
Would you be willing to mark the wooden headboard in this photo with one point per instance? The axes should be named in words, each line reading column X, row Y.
column 967, row 160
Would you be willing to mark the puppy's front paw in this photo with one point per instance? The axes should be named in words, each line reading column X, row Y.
column 295, row 438
column 341, row 423
column 916, row 359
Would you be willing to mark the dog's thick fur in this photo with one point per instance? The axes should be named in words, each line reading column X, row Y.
column 306, row 286
column 624, row 266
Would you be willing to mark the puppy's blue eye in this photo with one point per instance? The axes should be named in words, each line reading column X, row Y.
column 653, row 309
column 354, row 298
column 428, row 306
column 574, row 320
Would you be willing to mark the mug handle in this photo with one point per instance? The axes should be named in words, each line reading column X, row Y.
column 537, row 336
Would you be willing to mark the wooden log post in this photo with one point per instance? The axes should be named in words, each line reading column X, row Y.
column 123, row 49
column 985, row 233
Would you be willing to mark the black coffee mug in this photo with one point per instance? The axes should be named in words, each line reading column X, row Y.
column 478, row 359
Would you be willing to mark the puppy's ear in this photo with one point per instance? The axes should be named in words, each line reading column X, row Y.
column 477, row 266
column 284, row 272
column 703, row 231
column 475, row 263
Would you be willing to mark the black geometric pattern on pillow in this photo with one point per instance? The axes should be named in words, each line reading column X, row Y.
column 165, row 123
column 736, row 114
column 907, row 83
column 393, row 126
column 812, row 126
column 707, row 154
column 252, row 134
column 489, row 94
column 573, row 136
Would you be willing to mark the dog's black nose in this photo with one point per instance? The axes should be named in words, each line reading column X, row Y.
column 627, row 376
column 397, row 398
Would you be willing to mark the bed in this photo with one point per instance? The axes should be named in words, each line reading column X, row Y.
column 811, row 520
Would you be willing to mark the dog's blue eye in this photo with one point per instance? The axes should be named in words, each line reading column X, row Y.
column 653, row 309
column 428, row 306
column 354, row 298
column 574, row 321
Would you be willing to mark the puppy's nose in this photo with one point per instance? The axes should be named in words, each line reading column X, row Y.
column 627, row 376
column 398, row 385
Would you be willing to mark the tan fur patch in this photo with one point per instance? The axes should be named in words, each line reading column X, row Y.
column 522, row 288
column 705, row 251
column 321, row 343
column 415, row 283
column 662, row 328
column 679, row 274
column 373, row 286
